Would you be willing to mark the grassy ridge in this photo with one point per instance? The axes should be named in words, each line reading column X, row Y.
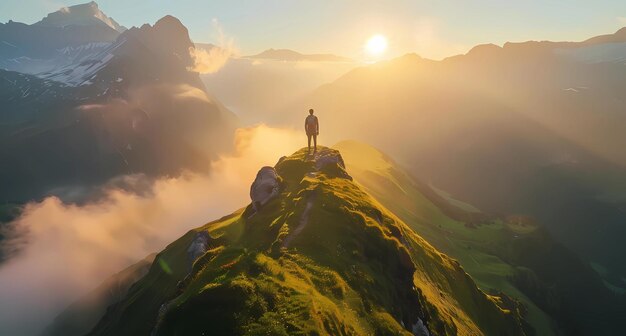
column 322, row 258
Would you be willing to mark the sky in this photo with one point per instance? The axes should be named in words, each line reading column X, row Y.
column 431, row 28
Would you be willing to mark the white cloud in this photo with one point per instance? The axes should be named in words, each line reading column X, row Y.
column 212, row 60
column 66, row 249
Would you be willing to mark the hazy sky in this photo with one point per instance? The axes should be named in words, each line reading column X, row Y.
column 432, row 28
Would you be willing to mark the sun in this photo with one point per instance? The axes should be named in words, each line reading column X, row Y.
column 376, row 45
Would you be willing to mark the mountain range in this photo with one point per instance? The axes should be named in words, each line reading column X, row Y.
column 129, row 104
column 529, row 128
column 66, row 36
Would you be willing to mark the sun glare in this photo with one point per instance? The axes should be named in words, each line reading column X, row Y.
column 376, row 45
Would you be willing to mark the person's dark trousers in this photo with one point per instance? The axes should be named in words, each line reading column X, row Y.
column 314, row 140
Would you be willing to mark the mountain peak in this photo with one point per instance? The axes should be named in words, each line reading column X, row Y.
column 80, row 15
column 171, row 26
column 312, row 254
column 168, row 36
column 169, row 21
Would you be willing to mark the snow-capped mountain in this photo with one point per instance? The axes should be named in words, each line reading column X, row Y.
column 67, row 36
column 131, row 57
column 80, row 15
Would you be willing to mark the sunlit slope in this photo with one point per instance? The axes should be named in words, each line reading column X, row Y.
column 320, row 258
column 512, row 254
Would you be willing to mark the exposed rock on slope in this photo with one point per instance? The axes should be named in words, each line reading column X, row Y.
column 265, row 187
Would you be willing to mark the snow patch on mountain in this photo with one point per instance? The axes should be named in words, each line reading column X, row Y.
column 87, row 60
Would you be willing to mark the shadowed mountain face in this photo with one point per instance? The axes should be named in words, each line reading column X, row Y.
column 314, row 255
column 133, row 107
column 529, row 128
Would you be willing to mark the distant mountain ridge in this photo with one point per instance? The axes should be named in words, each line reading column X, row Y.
column 565, row 47
column 294, row 56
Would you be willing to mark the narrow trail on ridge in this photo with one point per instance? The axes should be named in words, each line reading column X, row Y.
column 304, row 221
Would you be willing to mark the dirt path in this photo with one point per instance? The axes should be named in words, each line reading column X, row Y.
column 304, row 221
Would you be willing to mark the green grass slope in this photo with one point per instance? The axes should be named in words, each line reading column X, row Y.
column 512, row 255
column 321, row 258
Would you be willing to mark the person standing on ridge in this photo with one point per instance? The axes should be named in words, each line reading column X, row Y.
column 312, row 128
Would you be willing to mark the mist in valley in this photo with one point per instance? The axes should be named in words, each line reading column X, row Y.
column 61, row 251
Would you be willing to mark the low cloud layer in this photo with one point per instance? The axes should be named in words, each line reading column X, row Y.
column 211, row 60
column 208, row 61
column 67, row 250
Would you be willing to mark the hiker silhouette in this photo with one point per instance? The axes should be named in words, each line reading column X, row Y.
column 312, row 128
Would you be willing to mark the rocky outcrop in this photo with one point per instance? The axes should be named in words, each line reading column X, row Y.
column 266, row 186
column 199, row 245
column 330, row 160
column 419, row 328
